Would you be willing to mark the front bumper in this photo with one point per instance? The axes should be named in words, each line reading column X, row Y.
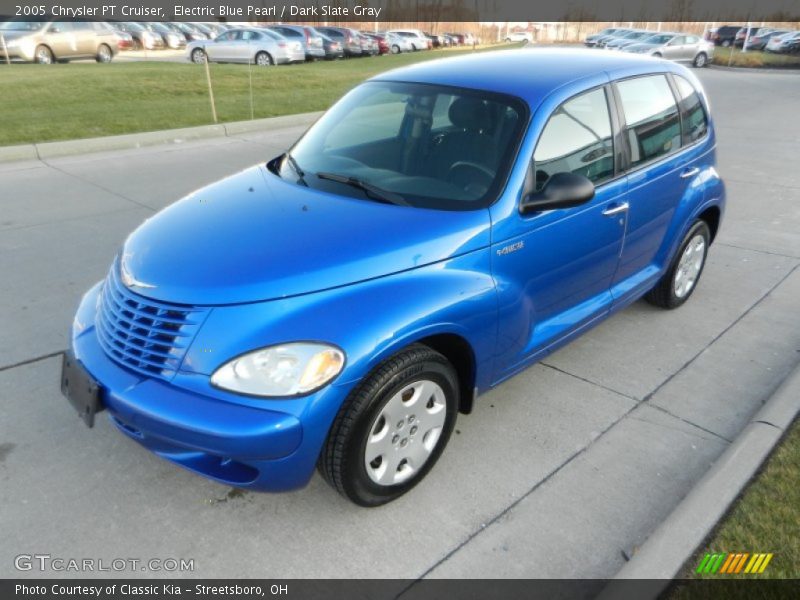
column 245, row 444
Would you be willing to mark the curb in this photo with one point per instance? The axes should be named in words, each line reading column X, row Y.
column 674, row 541
column 151, row 138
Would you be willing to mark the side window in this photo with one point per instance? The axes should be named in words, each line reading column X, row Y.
column 678, row 41
column 653, row 126
column 577, row 139
column 694, row 122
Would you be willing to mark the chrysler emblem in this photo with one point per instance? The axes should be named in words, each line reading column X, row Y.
column 127, row 279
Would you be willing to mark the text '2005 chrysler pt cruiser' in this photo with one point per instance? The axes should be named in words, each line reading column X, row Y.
column 439, row 229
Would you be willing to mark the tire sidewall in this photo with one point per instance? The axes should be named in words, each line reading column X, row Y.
column 358, row 484
column 699, row 227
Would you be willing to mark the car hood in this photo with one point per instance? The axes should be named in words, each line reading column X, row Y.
column 254, row 236
column 12, row 35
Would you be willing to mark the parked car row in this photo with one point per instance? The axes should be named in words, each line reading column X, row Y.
column 677, row 46
column 281, row 44
column 784, row 41
column 62, row 40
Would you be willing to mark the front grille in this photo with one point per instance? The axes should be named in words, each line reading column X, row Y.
column 141, row 334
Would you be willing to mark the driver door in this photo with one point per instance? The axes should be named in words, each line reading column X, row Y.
column 555, row 271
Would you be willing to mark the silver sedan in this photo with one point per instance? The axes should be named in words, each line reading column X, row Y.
column 262, row 47
column 681, row 47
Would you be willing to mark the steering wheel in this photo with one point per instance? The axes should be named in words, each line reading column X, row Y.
column 466, row 173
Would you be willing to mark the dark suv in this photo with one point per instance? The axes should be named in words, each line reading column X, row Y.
column 723, row 36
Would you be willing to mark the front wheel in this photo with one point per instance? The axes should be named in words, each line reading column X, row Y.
column 680, row 280
column 392, row 428
column 198, row 56
column 43, row 55
column 395, row 49
column 700, row 61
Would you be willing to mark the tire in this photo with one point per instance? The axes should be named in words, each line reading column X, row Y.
column 395, row 49
column 725, row 43
column 43, row 55
column 104, row 54
column 198, row 56
column 263, row 59
column 382, row 411
column 657, row 54
column 685, row 269
column 700, row 61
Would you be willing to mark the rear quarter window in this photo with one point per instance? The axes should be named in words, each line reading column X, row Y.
column 652, row 122
column 694, row 121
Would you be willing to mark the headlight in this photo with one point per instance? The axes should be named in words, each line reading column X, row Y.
column 284, row 370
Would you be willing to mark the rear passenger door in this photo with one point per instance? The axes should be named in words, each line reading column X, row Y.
column 663, row 163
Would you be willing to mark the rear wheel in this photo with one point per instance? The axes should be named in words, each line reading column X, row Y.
column 680, row 280
column 395, row 49
column 726, row 43
column 43, row 55
column 263, row 59
column 198, row 56
column 701, row 60
column 104, row 54
column 392, row 429
column 657, row 54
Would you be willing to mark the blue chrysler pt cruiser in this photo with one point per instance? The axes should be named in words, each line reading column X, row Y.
column 439, row 229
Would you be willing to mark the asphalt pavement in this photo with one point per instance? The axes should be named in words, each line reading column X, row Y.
column 562, row 471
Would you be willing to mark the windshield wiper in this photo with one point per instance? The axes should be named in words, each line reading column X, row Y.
column 372, row 191
column 301, row 175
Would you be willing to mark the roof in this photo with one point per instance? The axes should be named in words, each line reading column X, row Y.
column 528, row 73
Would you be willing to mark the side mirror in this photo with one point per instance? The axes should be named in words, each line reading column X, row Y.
column 54, row 29
column 562, row 190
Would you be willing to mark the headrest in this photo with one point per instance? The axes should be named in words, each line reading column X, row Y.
column 470, row 114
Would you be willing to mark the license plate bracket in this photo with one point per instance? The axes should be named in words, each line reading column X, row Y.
column 80, row 388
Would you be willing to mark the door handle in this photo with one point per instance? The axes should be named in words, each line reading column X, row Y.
column 690, row 172
column 615, row 209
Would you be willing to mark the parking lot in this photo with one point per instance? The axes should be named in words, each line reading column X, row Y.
column 562, row 471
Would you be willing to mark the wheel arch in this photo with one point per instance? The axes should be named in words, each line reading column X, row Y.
column 459, row 352
column 712, row 216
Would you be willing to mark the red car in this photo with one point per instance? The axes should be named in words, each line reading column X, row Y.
column 124, row 40
column 383, row 45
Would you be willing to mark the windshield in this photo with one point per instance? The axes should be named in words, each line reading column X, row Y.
column 416, row 144
column 21, row 26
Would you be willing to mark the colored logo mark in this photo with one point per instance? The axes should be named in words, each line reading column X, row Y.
column 734, row 562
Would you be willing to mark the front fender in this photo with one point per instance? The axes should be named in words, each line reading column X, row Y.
column 370, row 321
